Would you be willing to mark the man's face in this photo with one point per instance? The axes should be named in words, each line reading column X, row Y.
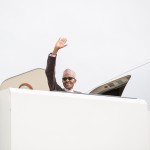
column 68, row 82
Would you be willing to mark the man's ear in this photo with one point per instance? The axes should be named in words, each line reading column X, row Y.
column 75, row 80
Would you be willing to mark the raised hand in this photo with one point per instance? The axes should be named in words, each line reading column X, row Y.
column 61, row 43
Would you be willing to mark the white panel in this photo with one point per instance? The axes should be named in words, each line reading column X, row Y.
column 43, row 120
column 62, row 121
column 5, row 120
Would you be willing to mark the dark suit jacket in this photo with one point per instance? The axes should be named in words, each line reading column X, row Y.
column 50, row 73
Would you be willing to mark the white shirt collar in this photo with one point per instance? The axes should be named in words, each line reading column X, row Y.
column 69, row 90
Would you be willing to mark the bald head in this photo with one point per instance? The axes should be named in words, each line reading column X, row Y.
column 69, row 73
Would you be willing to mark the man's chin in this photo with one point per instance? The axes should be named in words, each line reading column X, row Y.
column 68, row 87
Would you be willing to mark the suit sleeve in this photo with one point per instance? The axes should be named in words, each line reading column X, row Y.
column 50, row 73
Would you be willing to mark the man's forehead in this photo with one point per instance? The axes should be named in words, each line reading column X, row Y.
column 69, row 73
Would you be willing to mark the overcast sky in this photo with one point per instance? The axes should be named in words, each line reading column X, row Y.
column 105, row 38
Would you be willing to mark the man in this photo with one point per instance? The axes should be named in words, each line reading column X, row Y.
column 69, row 76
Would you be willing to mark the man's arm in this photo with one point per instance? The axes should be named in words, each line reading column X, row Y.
column 51, row 63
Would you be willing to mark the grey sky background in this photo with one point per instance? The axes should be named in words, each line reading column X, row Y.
column 105, row 38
